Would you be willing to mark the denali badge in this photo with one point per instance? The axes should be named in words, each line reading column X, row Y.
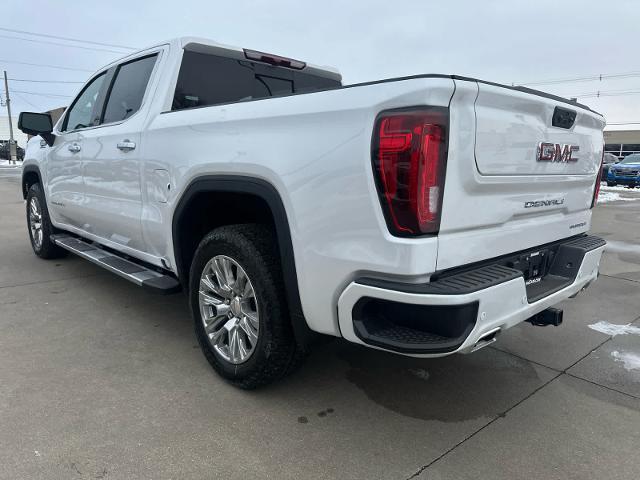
column 554, row 152
column 544, row 203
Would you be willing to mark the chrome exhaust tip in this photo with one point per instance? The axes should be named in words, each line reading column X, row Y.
column 487, row 339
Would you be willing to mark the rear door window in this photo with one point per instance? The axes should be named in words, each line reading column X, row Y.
column 206, row 79
column 127, row 89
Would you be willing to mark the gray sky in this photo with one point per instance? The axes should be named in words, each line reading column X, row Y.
column 497, row 40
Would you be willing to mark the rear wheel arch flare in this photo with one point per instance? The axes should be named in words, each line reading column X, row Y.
column 254, row 190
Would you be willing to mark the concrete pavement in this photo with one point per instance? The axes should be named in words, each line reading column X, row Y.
column 99, row 379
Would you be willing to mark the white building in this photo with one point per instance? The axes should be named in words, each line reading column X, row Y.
column 19, row 137
column 621, row 141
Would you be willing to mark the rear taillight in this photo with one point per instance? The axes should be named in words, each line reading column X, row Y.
column 409, row 156
column 596, row 190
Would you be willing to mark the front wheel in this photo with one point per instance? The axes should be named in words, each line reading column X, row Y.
column 239, row 307
column 39, row 225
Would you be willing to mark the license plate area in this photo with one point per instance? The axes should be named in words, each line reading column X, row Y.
column 545, row 269
column 534, row 265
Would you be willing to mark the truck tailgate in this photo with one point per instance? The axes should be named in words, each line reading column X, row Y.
column 511, row 125
column 500, row 196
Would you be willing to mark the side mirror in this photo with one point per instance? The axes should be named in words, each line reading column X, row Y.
column 41, row 124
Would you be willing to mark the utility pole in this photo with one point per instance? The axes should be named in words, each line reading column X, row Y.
column 12, row 143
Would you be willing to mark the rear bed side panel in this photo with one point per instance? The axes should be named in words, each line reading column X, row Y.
column 315, row 149
column 484, row 216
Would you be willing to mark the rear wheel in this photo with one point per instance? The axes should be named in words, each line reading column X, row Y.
column 39, row 225
column 239, row 307
column 611, row 184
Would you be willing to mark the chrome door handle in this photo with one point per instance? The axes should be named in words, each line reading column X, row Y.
column 126, row 145
column 74, row 148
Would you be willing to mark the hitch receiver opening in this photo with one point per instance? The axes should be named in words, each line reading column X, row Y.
column 550, row 316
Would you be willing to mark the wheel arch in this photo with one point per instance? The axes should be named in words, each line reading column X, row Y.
column 257, row 189
column 30, row 175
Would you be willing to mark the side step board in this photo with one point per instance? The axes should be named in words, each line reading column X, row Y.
column 134, row 272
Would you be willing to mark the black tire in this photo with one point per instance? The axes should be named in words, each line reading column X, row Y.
column 611, row 184
column 46, row 249
column 276, row 352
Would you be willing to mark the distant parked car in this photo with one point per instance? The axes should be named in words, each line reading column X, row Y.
column 609, row 159
column 627, row 172
column 4, row 151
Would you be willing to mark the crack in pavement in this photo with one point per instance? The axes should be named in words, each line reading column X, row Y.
column 620, row 278
column 468, row 437
column 503, row 414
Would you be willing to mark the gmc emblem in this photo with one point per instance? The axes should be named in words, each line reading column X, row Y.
column 554, row 152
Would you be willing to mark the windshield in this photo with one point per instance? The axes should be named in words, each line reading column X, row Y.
column 635, row 158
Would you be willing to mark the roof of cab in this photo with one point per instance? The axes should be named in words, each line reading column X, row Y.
column 192, row 43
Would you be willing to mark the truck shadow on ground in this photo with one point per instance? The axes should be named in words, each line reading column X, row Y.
column 135, row 331
column 448, row 389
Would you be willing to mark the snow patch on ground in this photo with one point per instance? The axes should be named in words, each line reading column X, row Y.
column 606, row 197
column 619, row 193
column 612, row 329
column 622, row 247
column 5, row 163
column 631, row 361
column 619, row 188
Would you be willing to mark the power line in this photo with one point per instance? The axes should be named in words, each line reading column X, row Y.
column 608, row 93
column 26, row 101
column 61, row 44
column 40, row 81
column 598, row 77
column 67, row 38
column 45, row 65
column 623, row 123
column 42, row 94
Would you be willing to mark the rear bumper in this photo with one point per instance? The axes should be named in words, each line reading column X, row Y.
column 461, row 313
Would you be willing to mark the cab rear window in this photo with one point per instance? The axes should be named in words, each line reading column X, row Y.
column 206, row 79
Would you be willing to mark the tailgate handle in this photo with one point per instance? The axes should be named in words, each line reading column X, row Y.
column 563, row 118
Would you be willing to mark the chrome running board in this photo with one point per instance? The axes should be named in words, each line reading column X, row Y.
column 130, row 270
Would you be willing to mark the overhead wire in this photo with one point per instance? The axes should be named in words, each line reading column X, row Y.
column 46, row 65
column 42, row 94
column 41, row 81
column 597, row 77
column 69, row 39
column 62, row 44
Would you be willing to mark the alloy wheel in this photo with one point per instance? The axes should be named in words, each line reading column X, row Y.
column 35, row 222
column 229, row 309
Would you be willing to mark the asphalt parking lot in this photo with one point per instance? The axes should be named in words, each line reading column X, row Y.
column 99, row 379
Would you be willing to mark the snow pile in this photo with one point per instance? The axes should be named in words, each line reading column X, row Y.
column 631, row 361
column 619, row 188
column 606, row 197
column 5, row 163
column 619, row 193
column 612, row 329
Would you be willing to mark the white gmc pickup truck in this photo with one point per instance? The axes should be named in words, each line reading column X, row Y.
column 420, row 215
